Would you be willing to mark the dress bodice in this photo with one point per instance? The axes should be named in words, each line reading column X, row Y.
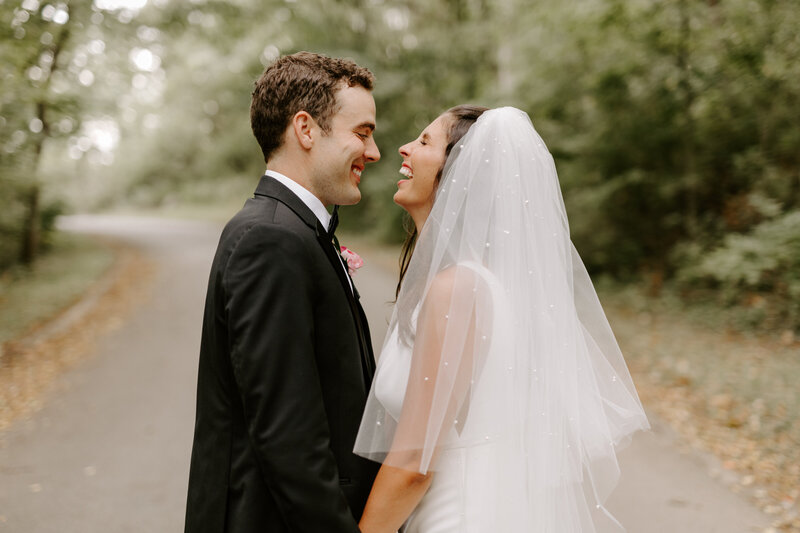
column 459, row 474
column 390, row 382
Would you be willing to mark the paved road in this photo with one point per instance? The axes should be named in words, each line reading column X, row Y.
column 110, row 450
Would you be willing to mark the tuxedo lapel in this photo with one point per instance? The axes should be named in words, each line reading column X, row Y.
column 333, row 256
column 367, row 361
column 274, row 189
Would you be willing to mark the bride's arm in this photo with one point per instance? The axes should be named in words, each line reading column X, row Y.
column 427, row 415
column 395, row 493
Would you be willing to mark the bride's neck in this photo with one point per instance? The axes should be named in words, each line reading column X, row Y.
column 419, row 216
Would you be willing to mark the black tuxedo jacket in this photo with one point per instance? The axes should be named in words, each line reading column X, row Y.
column 285, row 365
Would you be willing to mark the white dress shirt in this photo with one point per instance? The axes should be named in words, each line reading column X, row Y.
column 313, row 203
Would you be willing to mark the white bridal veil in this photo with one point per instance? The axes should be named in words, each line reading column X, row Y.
column 505, row 351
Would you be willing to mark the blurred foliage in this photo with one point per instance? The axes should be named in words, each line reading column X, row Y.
column 52, row 66
column 758, row 271
column 674, row 124
column 56, row 281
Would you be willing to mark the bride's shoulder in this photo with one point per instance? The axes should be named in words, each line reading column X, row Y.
column 460, row 277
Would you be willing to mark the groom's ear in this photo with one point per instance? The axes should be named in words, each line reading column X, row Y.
column 303, row 125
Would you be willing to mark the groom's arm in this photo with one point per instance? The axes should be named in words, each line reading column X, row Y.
column 270, row 320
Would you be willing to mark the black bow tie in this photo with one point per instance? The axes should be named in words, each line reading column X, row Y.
column 334, row 221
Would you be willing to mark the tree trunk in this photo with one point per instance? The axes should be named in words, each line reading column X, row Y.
column 31, row 227
column 31, row 231
column 689, row 165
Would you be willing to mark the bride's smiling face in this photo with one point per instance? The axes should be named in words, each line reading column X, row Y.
column 422, row 159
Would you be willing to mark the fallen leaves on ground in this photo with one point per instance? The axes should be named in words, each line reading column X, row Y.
column 727, row 393
column 29, row 366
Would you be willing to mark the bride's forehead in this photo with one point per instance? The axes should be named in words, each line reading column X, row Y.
column 438, row 128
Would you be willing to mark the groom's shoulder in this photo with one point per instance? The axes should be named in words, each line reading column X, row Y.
column 264, row 220
column 265, row 211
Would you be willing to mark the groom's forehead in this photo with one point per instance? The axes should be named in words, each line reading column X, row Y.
column 355, row 104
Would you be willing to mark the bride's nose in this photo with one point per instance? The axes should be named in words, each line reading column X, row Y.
column 404, row 150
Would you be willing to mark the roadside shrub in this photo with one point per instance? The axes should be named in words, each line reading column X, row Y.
column 759, row 270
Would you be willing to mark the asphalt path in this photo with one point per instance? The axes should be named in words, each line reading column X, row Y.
column 109, row 452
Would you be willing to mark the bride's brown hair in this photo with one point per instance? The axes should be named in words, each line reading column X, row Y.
column 462, row 117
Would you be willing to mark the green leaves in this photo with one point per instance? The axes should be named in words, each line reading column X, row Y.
column 674, row 124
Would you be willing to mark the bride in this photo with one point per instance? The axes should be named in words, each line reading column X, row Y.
column 501, row 394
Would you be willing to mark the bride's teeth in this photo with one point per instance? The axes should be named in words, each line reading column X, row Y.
column 405, row 171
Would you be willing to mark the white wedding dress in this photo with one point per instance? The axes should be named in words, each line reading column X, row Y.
column 500, row 374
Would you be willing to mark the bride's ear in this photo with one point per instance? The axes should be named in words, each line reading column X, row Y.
column 303, row 126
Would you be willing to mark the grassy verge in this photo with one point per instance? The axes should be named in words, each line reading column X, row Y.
column 731, row 392
column 28, row 297
column 33, row 357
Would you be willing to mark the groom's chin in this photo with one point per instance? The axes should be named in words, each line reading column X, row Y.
column 352, row 197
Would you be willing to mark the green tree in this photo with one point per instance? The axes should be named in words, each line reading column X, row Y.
column 59, row 68
column 673, row 124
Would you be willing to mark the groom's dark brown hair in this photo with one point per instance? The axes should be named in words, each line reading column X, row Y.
column 300, row 82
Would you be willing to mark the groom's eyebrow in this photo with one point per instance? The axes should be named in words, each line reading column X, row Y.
column 366, row 125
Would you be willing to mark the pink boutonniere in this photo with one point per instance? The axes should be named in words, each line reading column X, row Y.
column 354, row 261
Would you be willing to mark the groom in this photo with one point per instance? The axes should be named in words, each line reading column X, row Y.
column 285, row 358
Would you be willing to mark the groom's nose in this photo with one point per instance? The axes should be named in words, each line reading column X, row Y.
column 371, row 153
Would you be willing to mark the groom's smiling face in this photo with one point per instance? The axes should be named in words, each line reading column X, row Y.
column 341, row 154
